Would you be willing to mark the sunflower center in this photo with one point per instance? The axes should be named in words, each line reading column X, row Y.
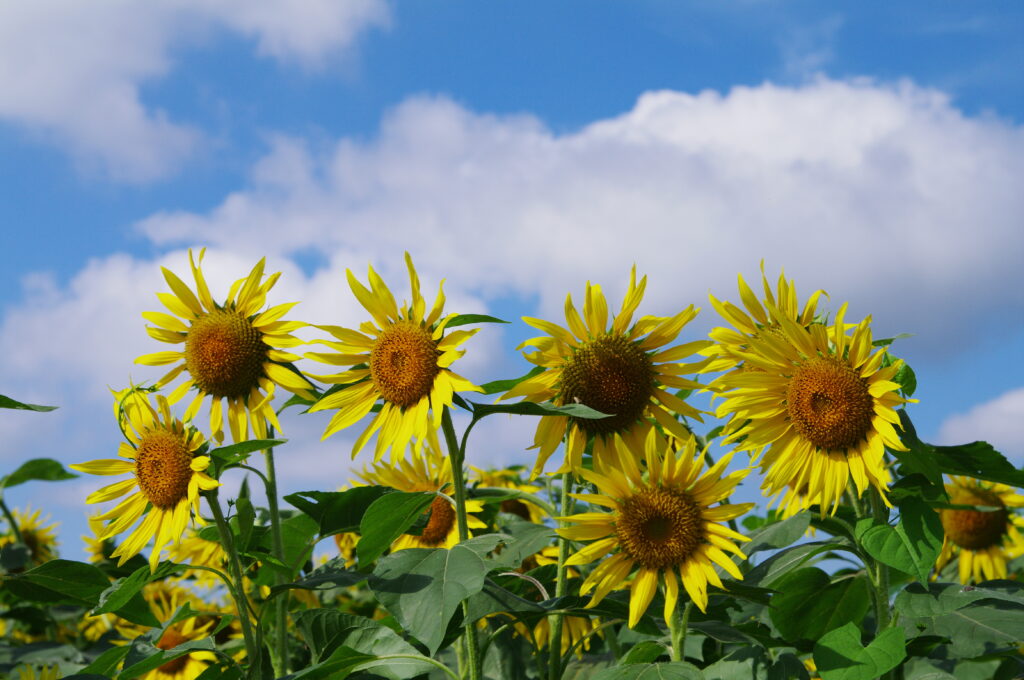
column 403, row 363
column 224, row 354
column 659, row 528
column 612, row 375
column 163, row 466
column 974, row 529
column 169, row 640
column 442, row 519
column 829, row 404
column 515, row 506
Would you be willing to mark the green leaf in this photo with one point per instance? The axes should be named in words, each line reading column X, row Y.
column 297, row 534
column 332, row 574
column 493, row 599
column 325, row 630
column 938, row 599
column 645, row 652
column 498, row 386
column 386, row 519
column 43, row 469
column 106, row 663
column 143, row 654
column 907, row 380
column 234, row 453
column 530, row 408
column 741, row 664
column 839, row 655
column 808, row 604
column 677, row 670
column 337, row 511
column 526, row 539
column 342, row 663
column 788, row 666
column 120, row 593
column 912, row 545
column 781, row 563
column 778, row 534
column 7, row 402
column 463, row 319
column 60, row 581
column 423, row 587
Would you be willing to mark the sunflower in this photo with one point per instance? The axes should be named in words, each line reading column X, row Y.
column 623, row 371
column 38, row 673
column 758, row 319
column 36, row 534
column 165, row 598
column 196, row 550
column 509, row 478
column 231, row 350
column 401, row 358
column 821, row 406
column 167, row 476
column 346, row 542
column 984, row 541
column 661, row 524
column 426, row 470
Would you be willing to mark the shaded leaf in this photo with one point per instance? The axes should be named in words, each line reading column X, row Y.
column 387, row 518
column 337, row 511
column 60, row 581
column 778, row 534
column 839, row 655
column 42, row 469
column 530, row 408
column 463, row 319
column 808, row 604
column 679, row 670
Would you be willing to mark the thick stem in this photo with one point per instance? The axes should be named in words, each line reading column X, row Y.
column 677, row 624
column 457, row 455
column 881, row 580
column 281, row 603
column 555, row 621
column 235, row 566
column 15, row 529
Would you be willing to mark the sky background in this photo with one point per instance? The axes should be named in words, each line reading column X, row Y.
column 517, row 150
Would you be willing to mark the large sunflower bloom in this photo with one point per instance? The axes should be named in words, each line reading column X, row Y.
column 821, row 404
column 661, row 524
column 758, row 319
column 622, row 370
column 400, row 358
column 984, row 541
column 426, row 470
column 166, row 478
column 231, row 350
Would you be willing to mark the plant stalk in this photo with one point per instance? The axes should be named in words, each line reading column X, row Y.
column 677, row 624
column 881, row 580
column 281, row 603
column 556, row 621
column 15, row 529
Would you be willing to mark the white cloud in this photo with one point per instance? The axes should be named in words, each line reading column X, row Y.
column 1000, row 422
column 885, row 195
column 71, row 71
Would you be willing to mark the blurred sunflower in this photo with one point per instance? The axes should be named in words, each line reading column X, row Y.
column 165, row 599
column 400, row 358
column 622, row 370
column 38, row 672
column 509, row 478
column 819, row 403
column 661, row 524
column 38, row 536
column 231, row 350
column 346, row 543
column 196, row 550
column 98, row 549
column 984, row 541
column 166, row 478
column 426, row 470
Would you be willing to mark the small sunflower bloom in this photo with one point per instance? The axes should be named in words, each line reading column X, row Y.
column 663, row 525
column 509, row 478
column 984, row 541
column 400, row 358
column 623, row 370
column 166, row 477
column 232, row 351
column 38, row 672
column 195, row 550
column 819, row 404
column 36, row 533
column 426, row 470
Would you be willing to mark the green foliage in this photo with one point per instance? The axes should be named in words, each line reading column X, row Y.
column 840, row 655
column 912, row 545
column 809, row 603
column 337, row 511
column 386, row 519
column 7, row 402
column 40, row 469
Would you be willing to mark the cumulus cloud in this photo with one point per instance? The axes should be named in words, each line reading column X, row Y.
column 884, row 194
column 999, row 421
column 71, row 71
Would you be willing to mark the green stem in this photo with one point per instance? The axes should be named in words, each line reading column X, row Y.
column 457, row 455
column 677, row 624
column 281, row 604
column 881, row 580
column 235, row 566
column 10, row 520
column 555, row 621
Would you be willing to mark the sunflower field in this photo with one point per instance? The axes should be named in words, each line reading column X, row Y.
column 874, row 554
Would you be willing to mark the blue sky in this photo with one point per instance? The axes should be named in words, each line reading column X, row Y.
column 517, row 150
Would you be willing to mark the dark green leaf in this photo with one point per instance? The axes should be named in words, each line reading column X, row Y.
column 333, row 574
column 529, row 408
column 143, row 654
column 741, row 664
column 60, row 581
column 7, row 402
column 337, row 511
column 244, row 521
column 778, row 534
column 422, row 588
column 809, row 605
column 788, row 666
column 678, row 670
column 386, row 519
column 463, row 319
column 906, row 379
column 15, row 557
column 526, row 539
column 342, row 663
column 839, row 655
column 912, row 545
column 121, row 592
column 234, row 453
column 937, row 599
column 106, row 663
column 645, row 652
column 779, row 564
column 44, row 469
column 498, row 386
column 493, row 599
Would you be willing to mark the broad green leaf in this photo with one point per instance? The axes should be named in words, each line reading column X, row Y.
column 499, row 386
column 526, row 539
column 143, row 654
column 839, row 655
column 337, row 511
column 788, row 666
column 423, row 587
column 342, row 663
column 912, row 545
column 981, row 628
column 60, row 581
column 298, row 534
column 7, row 402
column 530, row 408
column 723, row 632
column 493, row 599
column 233, row 453
column 43, row 469
column 121, row 592
column 386, row 519
column 645, row 652
column 678, row 670
column 907, row 380
column 808, row 604
column 324, row 630
column 106, row 663
column 938, row 599
column 741, row 664
column 779, row 564
column 463, row 319
column 332, row 574
column 778, row 534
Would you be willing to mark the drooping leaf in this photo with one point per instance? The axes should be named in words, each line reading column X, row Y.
column 464, row 319
column 106, row 663
column 60, row 581
column 121, row 592
column 778, row 534
column 808, row 604
column 422, row 588
column 386, row 519
column 499, row 386
column 530, row 408
column 7, row 402
column 937, row 599
column 337, row 511
column 332, row 574
column 839, row 654
column 524, row 539
column 234, row 453
column 788, row 559
column 42, row 469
